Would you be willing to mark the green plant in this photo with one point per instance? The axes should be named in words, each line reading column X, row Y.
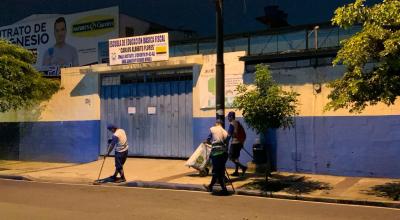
column 21, row 85
column 377, row 44
column 266, row 105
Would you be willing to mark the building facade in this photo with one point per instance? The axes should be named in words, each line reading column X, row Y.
column 167, row 107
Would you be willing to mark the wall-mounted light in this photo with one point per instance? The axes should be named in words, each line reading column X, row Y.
column 87, row 101
column 317, row 87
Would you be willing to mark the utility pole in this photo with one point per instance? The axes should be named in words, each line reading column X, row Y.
column 220, row 67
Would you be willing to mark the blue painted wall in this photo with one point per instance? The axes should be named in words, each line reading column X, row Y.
column 9, row 140
column 69, row 141
column 340, row 145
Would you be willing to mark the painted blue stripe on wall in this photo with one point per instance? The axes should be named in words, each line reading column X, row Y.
column 71, row 141
column 340, row 145
column 348, row 146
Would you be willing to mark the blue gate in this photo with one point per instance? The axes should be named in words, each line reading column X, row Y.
column 156, row 116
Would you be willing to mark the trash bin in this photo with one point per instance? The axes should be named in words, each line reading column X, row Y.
column 259, row 154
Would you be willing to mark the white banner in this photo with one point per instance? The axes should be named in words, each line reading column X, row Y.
column 234, row 70
column 139, row 49
column 64, row 40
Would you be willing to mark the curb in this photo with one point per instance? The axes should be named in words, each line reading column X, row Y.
column 319, row 199
column 164, row 185
column 195, row 187
column 14, row 177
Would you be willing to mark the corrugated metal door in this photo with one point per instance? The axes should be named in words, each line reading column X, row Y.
column 157, row 117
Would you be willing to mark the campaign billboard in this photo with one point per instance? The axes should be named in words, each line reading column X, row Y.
column 139, row 49
column 64, row 40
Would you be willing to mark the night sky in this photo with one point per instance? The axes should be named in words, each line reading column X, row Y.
column 197, row 15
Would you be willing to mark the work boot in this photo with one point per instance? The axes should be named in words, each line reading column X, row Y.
column 236, row 173
column 207, row 187
column 224, row 192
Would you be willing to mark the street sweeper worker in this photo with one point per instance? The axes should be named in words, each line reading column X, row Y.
column 236, row 137
column 118, row 141
column 219, row 155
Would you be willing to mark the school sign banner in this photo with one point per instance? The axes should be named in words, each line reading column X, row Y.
column 139, row 49
column 64, row 40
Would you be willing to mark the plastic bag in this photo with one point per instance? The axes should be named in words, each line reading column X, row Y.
column 199, row 158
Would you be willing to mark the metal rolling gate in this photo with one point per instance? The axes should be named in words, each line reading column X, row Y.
column 157, row 117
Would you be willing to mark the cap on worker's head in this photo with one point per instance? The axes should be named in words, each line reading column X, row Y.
column 218, row 121
column 111, row 126
column 231, row 115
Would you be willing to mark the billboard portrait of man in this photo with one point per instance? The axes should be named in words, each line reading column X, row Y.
column 61, row 54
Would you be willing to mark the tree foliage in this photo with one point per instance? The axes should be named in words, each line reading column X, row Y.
column 265, row 105
column 371, row 56
column 21, row 85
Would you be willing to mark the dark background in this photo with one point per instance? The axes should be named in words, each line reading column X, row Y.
column 196, row 15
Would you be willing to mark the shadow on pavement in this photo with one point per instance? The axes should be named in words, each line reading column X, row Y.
column 388, row 190
column 231, row 178
column 293, row 184
column 220, row 193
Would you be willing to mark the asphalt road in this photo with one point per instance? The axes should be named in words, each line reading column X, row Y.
column 31, row 200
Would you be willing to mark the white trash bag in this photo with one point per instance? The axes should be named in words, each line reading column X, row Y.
column 199, row 158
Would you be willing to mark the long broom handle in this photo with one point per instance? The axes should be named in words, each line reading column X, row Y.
column 98, row 178
column 108, row 147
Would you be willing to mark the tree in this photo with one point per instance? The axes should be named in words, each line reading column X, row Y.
column 371, row 56
column 21, row 85
column 266, row 105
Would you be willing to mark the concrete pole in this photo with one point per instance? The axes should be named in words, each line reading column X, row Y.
column 220, row 67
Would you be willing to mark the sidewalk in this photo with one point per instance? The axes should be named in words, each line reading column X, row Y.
column 172, row 174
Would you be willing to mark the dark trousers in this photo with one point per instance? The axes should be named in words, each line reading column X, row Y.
column 218, row 171
column 234, row 154
column 120, row 158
